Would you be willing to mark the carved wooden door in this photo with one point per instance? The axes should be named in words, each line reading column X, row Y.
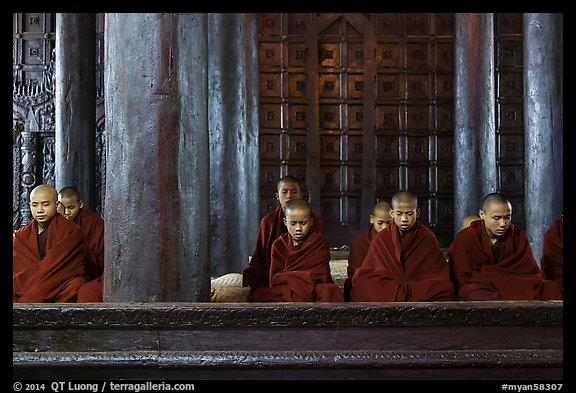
column 359, row 106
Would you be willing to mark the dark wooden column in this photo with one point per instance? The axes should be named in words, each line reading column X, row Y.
column 475, row 129
column 75, row 101
column 234, row 149
column 157, row 170
column 543, row 119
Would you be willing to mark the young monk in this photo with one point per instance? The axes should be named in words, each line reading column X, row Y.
column 404, row 262
column 492, row 258
column 272, row 225
column 72, row 207
column 379, row 219
column 552, row 260
column 300, row 264
column 48, row 254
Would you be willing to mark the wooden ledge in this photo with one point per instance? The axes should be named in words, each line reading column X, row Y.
column 159, row 315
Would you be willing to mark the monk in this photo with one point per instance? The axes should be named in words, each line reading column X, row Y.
column 492, row 258
column 49, row 256
column 404, row 262
column 72, row 207
column 552, row 260
column 272, row 225
column 379, row 219
column 300, row 263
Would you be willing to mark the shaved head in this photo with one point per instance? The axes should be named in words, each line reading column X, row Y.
column 494, row 197
column 297, row 204
column 404, row 197
column 46, row 190
column 70, row 192
column 382, row 206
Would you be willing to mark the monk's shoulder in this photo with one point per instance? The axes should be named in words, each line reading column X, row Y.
column 61, row 223
column 25, row 229
column 270, row 218
column 363, row 237
column 92, row 215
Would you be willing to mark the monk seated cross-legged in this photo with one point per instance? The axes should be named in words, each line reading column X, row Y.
column 404, row 262
column 492, row 258
column 272, row 226
column 48, row 254
column 91, row 223
column 300, row 264
column 379, row 219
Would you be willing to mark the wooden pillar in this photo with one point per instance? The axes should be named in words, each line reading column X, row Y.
column 234, row 148
column 75, row 101
column 475, row 128
column 543, row 119
column 157, row 169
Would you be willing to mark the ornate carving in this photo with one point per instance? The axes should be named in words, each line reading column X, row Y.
column 33, row 112
column 158, row 315
column 48, row 155
column 294, row 359
column 27, row 173
column 17, row 128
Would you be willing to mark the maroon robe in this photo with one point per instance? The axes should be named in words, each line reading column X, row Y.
column 57, row 277
column 357, row 253
column 552, row 261
column 511, row 275
column 301, row 273
column 92, row 225
column 408, row 268
column 257, row 274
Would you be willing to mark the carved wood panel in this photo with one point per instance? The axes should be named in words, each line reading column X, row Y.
column 34, row 109
column 363, row 104
column 33, row 114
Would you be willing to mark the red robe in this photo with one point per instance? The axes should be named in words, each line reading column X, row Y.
column 552, row 261
column 480, row 276
column 408, row 268
column 92, row 225
column 301, row 274
column 358, row 251
column 55, row 278
column 257, row 274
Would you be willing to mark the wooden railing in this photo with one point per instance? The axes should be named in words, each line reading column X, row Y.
column 440, row 340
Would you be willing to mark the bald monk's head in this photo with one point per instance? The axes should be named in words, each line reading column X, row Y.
column 43, row 205
column 405, row 210
column 70, row 203
column 497, row 214
column 467, row 220
column 381, row 217
column 298, row 219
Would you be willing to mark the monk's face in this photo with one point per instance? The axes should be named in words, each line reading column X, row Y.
column 299, row 224
column 405, row 215
column 380, row 219
column 43, row 206
column 69, row 207
column 287, row 191
column 497, row 219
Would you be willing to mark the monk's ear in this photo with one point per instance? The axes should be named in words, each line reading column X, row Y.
column 284, row 219
column 81, row 204
column 481, row 214
column 417, row 212
column 371, row 219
